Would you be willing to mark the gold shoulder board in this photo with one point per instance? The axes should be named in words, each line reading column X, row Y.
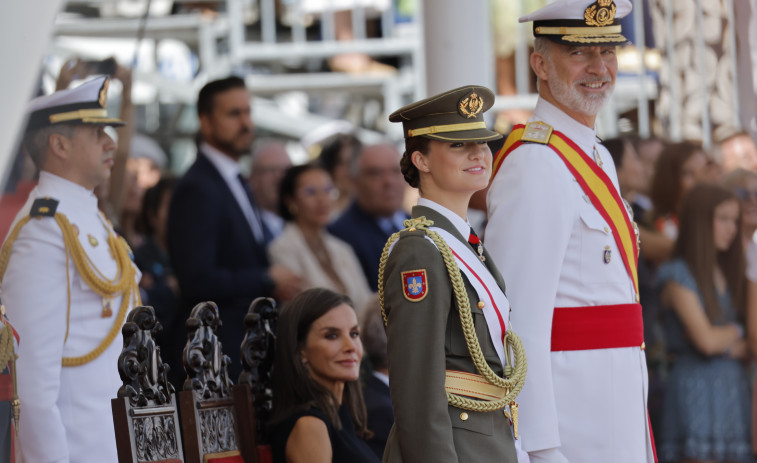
column 537, row 132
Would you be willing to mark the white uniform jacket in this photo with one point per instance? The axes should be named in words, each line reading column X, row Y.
column 65, row 411
column 549, row 242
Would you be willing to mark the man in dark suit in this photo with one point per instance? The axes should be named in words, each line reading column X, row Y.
column 377, row 211
column 217, row 240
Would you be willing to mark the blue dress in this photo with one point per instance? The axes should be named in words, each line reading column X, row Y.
column 707, row 409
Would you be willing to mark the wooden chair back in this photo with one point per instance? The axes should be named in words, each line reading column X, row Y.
column 254, row 395
column 144, row 414
column 209, row 419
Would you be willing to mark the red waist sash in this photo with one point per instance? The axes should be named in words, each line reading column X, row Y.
column 597, row 327
column 6, row 387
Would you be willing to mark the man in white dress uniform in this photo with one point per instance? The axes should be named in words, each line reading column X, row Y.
column 68, row 281
column 567, row 248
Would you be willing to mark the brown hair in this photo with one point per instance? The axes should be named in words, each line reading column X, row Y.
column 288, row 187
column 409, row 171
column 666, row 194
column 696, row 246
column 294, row 388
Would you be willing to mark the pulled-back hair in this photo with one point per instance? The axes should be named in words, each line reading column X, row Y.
column 409, row 171
column 294, row 388
column 696, row 246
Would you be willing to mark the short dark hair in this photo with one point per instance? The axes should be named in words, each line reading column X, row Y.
column 35, row 141
column 294, row 388
column 205, row 100
column 409, row 171
column 288, row 186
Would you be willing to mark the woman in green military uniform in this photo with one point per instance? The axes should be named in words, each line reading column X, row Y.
column 455, row 365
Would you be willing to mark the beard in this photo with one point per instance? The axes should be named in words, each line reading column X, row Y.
column 571, row 97
column 236, row 146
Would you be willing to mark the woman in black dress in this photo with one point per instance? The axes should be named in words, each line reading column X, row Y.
column 318, row 409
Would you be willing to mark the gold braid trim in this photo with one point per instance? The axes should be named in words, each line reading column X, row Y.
column 516, row 374
column 8, row 357
column 124, row 284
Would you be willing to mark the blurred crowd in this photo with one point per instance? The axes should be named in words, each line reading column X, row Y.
column 324, row 223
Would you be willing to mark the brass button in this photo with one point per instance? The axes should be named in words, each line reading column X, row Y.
column 643, row 345
column 637, row 298
column 481, row 304
column 464, row 416
column 607, row 230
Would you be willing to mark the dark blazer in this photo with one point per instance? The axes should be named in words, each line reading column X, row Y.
column 361, row 231
column 425, row 338
column 215, row 255
column 378, row 404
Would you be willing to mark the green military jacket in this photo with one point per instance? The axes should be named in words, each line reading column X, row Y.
column 425, row 338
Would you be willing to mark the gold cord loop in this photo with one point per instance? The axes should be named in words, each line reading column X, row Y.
column 517, row 375
column 124, row 285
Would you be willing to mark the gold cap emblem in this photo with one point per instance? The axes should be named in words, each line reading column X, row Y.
column 600, row 13
column 102, row 97
column 471, row 105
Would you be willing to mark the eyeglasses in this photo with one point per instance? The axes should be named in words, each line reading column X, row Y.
column 311, row 191
column 745, row 194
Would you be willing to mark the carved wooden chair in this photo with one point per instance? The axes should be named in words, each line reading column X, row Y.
column 144, row 414
column 213, row 430
column 253, row 395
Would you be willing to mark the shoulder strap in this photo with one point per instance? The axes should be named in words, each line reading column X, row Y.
column 604, row 197
column 532, row 132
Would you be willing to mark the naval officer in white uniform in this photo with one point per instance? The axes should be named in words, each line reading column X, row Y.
column 567, row 247
column 67, row 282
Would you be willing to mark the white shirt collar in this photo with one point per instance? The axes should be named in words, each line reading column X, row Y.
column 228, row 167
column 583, row 136
column 462, row 225
column 381, row 377
column 65, row 190
column 230, row 170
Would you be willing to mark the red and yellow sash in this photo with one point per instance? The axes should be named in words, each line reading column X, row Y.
column 595, row 184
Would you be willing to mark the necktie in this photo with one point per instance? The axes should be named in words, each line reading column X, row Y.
column 476, row 244
column 266, row 233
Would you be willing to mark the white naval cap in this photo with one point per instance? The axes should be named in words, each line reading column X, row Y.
column 84, row 104
column 580, row 22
